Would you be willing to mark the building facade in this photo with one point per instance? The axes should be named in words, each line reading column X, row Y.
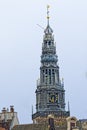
column 8, row 119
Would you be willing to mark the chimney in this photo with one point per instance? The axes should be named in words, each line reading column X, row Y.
column 3, row 110
column 11, row 108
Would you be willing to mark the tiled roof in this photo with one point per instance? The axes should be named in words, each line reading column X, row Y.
column 36, row 127
column 31, row 127
column 83, row 120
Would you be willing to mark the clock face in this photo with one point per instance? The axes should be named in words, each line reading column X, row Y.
column 53, row 98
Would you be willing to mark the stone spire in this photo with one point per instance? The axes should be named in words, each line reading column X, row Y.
column 50, row 93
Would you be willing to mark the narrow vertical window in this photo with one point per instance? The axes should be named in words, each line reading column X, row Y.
column 43, row 76
column 46, row 77
column 53, row 75
column 49, row 76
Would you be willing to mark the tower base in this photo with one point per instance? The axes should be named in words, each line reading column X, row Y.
column 42, row 116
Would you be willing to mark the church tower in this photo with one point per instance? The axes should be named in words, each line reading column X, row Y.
column 50, row 93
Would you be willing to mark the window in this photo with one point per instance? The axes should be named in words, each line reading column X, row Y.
column 49, row 43
column 49, row 76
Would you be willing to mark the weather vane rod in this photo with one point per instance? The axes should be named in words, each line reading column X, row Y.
column 48, row 14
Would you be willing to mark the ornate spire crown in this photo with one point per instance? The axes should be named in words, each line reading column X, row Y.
column 48, row 29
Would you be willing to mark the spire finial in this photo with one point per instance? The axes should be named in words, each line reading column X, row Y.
column 48, row 14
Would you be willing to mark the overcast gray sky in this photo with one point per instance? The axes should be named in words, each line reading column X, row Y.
column 20, row 51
